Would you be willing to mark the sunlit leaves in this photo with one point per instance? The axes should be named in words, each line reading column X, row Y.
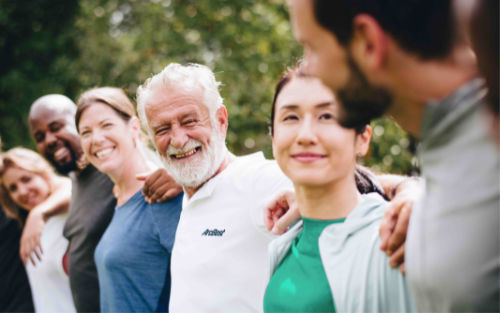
column 67, row 48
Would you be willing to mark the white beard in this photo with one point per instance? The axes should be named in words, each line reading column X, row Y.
column 202, row 167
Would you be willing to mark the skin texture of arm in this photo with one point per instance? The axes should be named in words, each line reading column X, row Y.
column 56, row 203
column 159, row 186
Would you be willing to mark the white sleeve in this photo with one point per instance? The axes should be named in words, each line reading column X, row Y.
column 268, row 182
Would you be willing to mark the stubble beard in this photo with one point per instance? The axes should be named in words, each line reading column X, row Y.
column 360, row 101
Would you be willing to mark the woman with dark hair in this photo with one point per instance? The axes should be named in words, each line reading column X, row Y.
column 27, row 180
column 330, row 261
column 133, row 255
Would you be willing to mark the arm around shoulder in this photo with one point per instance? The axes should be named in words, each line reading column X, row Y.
column 57, row 203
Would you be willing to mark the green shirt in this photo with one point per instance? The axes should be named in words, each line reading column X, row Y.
column 299, row 284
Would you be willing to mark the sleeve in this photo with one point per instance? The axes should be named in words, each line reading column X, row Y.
column 165, row 218
column 268, row 182
column 393, row 291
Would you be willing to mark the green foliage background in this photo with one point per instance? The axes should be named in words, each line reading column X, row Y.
column 59, row 46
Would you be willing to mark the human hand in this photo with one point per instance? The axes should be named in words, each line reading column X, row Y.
column 158, row 186
column 281, row 212
column 394, row 226
column 30, row 239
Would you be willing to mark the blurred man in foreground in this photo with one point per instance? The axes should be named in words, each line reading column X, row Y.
column 406, row 59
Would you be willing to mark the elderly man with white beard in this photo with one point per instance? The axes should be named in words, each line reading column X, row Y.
column 219, row 260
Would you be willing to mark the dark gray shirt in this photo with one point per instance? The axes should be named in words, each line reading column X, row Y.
column 91, row 210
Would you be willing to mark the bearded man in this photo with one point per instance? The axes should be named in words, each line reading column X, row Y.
column 219, row 260
column 408, row 59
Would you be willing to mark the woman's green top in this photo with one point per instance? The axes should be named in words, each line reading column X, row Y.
column 299, row 283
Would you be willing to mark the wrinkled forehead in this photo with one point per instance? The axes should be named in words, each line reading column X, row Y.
column 166, row 99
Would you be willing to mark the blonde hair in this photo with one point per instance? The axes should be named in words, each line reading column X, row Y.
column 27, row 160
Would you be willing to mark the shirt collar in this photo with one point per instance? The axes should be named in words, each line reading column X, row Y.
column 436, row 111
column 208, row 188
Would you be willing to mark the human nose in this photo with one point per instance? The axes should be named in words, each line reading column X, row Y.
column 50, row 139
column 22, row 192
column 96, row 137
column 178, row 137
column 306, row 134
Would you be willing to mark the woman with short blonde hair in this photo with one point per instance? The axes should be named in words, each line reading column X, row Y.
column 27, row 180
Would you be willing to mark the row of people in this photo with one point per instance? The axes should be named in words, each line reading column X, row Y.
column 410, row 60
column 220, row 241
column 221, row 232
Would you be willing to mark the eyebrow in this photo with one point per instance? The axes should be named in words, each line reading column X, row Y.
column 324, row 104
column 181, row 117
column 105, row 120
column 55, row 122
column 296, row 106
column 189, row 114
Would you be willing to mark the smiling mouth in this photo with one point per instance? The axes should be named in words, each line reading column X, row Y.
column 307, row 157
column 59, row 154
column 103, row 153
column 186, row 154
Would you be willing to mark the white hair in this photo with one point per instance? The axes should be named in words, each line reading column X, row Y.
column 184, row 77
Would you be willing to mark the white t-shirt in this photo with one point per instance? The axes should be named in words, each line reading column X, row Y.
column 49, row 284
column 220, row 261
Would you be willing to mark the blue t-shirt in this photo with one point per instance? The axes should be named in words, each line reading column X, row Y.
column 133, row 256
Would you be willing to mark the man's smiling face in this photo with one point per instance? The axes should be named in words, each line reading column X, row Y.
column 53, row 128
column 190, row 142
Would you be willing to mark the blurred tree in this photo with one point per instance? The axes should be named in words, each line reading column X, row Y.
column 248, row 44
column 36, row 45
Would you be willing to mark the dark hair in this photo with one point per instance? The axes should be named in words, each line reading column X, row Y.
column 423, row 27
column 284, row 80
column 366, row 181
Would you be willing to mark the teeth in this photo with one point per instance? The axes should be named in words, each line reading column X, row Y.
column 59, row 152
column 185, row 154
column 103, row 153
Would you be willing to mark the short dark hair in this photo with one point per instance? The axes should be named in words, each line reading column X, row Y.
column 422, row 27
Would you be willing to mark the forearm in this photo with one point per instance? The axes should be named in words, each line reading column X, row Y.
column 392, row 183
column 58, row 201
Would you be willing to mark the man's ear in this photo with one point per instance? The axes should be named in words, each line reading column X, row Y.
column 221, row 117
column 363, row 141
column 369, row 43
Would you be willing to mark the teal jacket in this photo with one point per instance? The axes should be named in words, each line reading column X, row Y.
column 359, row 274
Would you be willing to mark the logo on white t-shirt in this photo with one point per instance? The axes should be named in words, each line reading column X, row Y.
column 213, row 232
